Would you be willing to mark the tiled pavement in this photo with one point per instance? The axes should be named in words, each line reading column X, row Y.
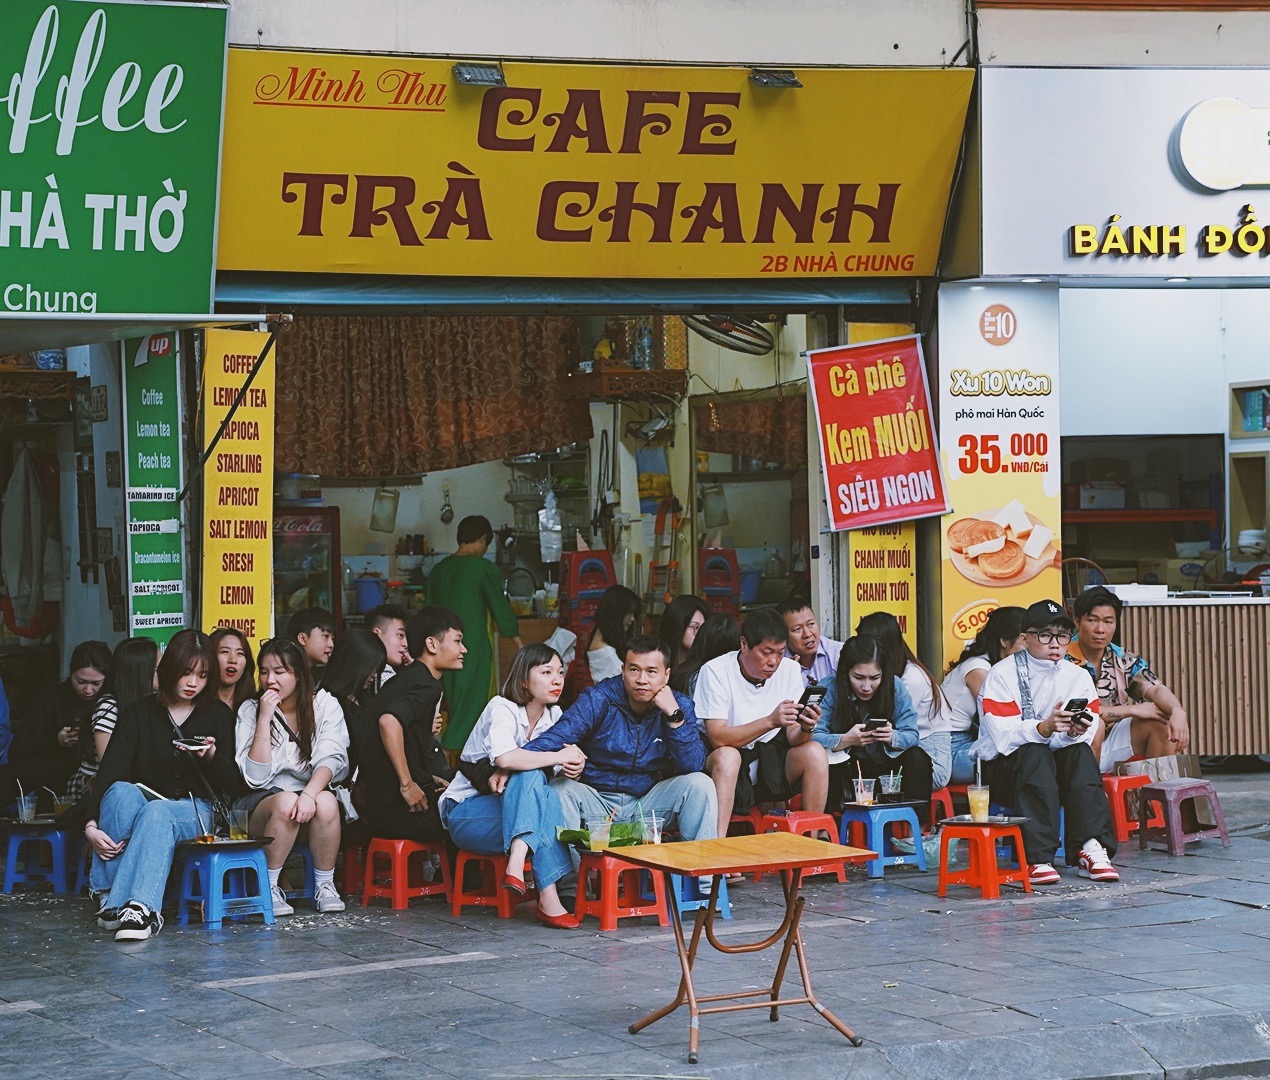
column 1164, row 974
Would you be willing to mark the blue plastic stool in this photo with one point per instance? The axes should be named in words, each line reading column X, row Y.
column 689, row 894
column 875, row 820
column 301, row 850
column 22, row 858
column 230, row 884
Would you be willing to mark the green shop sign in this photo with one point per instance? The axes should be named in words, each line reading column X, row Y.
column 110, row 121
column 153, row 471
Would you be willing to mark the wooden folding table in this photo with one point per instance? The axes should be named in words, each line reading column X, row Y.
column 785, row 853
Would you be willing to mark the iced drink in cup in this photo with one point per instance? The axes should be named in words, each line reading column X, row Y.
column 978, row 796
column 26, row 807
column 238, row 825
column 863, row 792
column 890, row 787
column 598, row 831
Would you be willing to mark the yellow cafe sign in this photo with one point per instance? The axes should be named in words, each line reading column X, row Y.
column 385, row 165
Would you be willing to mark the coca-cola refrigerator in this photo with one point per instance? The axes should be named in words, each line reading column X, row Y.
column 307, row 571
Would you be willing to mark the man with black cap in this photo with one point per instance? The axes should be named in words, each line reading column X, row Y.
column 1037, row 720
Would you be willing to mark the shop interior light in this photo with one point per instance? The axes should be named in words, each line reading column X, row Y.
column 1177, row 280
column 479, row 75
column 778, row 78
column 1030, row 280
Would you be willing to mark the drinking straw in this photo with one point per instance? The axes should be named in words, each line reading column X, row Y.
column 978, row 773
column 858, row 771
column 51, row 792
column 21, row 793
column 199, row 817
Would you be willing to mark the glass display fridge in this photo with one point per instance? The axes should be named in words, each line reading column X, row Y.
column 307, row 570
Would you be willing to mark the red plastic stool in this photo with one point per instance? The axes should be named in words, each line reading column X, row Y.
column 398, row 888
column 354, row 869
column 490, row 891
column 1176, row 798
column 983, row 873
column 618, row 891
column 753, row 821
column 941, row 804
column 1117, row 789
column 806, row 823
column 955, row 790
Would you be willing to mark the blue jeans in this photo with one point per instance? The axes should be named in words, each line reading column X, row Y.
column 152, row 830
column 963, row 765
column 939, row 750
column 528, row 810
column 689, row 799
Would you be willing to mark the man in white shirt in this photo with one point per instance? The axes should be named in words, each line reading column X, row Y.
column 1038, row 715
column 747, row 705
column 816, row 654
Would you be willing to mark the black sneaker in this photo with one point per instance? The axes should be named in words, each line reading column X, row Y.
column 107, row 917
column 137, row 923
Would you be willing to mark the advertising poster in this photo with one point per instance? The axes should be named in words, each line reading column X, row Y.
column 884, row 575
column 152, row 480
column 238, row 486
column 999, row 441
column 111, row 136
column 345, row 163
column 877, row 441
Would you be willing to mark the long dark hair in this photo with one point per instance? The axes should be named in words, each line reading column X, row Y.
column 358, row 654
column 245, row 687
column 1005, row 623
column 294, row 660
column 675, row 620
column 867, row 649
column 610, row 616
column 129, row 678
column 719, row 634
column 886, row 628
column 187, row 651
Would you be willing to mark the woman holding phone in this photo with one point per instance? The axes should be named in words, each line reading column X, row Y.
column 169, row 758
column 868, row 724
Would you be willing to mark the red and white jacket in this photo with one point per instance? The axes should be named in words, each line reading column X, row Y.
column 1053, row 683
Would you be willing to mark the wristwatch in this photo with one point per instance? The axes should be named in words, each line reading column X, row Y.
column 675, row 718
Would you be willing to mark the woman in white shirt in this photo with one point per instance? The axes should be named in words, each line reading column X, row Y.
column 511, row 808
column 617, row 619
column 1001, row 636
column 290, row 745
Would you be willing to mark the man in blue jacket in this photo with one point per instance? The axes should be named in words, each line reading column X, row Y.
column 643, row 752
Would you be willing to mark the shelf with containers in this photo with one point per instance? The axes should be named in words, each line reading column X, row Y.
column 565, row 472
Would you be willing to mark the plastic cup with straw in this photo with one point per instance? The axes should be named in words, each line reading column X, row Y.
column 977, row 794
column 26, row 803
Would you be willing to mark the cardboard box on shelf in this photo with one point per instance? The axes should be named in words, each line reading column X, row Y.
column 1177, row 574
column 1102, row 495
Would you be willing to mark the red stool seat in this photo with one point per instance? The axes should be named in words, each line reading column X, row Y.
column 611, row 888
column 489, row 891
column 1176, row 798
column 400, row 855
column 751, row 821
column 983, row 873
column 1117, row 789
column 806, row 823
column 354, row 869
column 941, row 804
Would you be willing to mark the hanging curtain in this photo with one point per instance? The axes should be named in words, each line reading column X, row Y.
column 768, row 428
column 374, row 396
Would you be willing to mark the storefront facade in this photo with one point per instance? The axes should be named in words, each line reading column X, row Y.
column 111, row 148
column 362, row 186
column 1120, row 301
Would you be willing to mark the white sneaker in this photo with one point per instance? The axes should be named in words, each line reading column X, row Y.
column 1043, row 874
column 280, row 905
column 1095, row 863
column 326, row 899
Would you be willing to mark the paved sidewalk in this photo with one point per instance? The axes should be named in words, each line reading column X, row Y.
column 1164, row 974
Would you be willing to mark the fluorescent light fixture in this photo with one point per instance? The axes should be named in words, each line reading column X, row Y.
column 1176, row 280
column 777, row 78
column 479, row 75
column 1030, row 280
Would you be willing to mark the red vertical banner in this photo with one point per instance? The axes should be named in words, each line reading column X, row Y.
column 877, row 439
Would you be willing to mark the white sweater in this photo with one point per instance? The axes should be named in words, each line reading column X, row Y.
column 285, row 770
column 1002, row 729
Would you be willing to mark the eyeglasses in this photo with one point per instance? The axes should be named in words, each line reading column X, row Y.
column 1047, row 637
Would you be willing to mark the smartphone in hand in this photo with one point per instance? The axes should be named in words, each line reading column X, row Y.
column 813, row 695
